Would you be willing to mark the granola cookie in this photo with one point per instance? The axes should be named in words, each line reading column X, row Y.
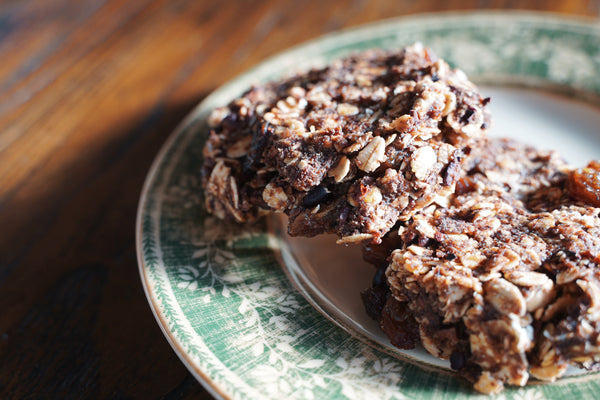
column 504, row 281
column 349, row 149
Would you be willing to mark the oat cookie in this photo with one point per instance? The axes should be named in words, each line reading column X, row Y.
column 348, row 149
column 504, row 281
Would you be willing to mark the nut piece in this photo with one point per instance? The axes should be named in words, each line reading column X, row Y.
column 347, row 109
column 275, row 197
column 372, row 155
column 373, row 196
column 423, row 160
column 445, row 153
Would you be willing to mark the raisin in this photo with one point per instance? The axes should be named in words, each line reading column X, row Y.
column 374, row 299
column 584, row 184
column 457, row 360
column 380, row 278
column 465, row 185
column 399, row 325
column 315, row 196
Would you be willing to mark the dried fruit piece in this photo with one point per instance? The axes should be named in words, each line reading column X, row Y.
column 398, row 324
column 584, row 184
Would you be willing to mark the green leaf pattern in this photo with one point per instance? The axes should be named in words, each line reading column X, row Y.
column 217, row 288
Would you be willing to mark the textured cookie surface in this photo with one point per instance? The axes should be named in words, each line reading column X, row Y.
column 504, row 280
column 349, row 149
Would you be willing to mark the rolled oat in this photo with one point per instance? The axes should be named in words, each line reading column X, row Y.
column 381, row 134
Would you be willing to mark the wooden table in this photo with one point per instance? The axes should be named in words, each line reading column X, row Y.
column 89, row 90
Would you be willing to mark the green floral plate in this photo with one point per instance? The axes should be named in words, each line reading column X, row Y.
column 256, row 315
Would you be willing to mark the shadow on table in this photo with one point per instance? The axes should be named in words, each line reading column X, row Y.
column 75, row 321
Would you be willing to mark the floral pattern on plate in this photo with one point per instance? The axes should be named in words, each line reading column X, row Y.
column 217, row 289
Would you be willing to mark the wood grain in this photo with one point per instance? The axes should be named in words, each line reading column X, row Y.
column 89, row 90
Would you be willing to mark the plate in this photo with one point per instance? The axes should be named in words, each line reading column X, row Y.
column 256, row 315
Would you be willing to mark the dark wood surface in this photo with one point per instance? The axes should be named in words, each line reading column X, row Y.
column 89, row 90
